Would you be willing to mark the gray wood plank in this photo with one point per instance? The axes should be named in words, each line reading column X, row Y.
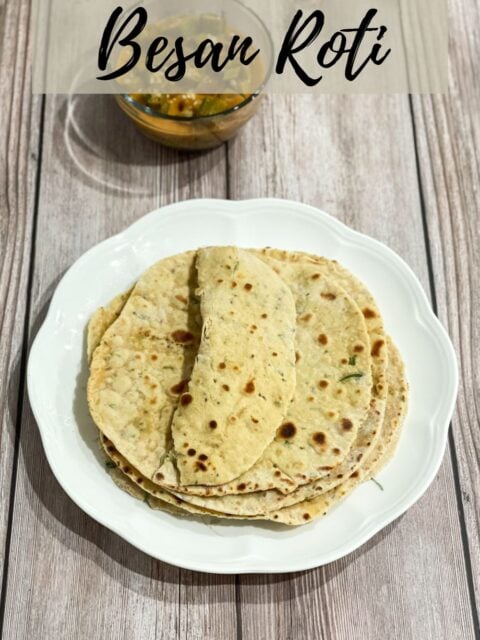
column 98, row 175
column 354, row 157
column 448, row 134
column 19, row 126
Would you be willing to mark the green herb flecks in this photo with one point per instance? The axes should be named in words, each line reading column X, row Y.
column 352, row 375
column 145, row 499
column 378, row 484
column 352, row 361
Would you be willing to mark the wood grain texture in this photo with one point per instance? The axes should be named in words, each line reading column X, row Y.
column 98, row 175
column 366, row 176
column 19, row 127
column 448, row 134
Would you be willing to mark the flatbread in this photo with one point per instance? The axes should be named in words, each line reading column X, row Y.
column 102, row 319
column 376, row 435
column 243, row 379
column 386, row 447
column 394, row 416
column 143, row 361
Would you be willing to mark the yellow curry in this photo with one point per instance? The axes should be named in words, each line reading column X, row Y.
column 190, row 105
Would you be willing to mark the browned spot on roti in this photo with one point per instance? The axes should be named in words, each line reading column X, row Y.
column 329, row 296
column 203, row 457
column 340, row 475
column 126, row 469
column 336, row 451
column 159, row 476
column 139, row 480
column 319, row 437
column 306, row 317
column 222, row 365
column 191, row 452
column 286, row 430
column 377, row 345
column 323, row 339
column 274, row 354
column 234, row 284
column 248, row 286
column 182, row 337
column 242, row 486
column 225, row 387
column 315, row 276
column 181, row 299
column 355, row 474
column 277, row 474
column 111, row 449
column 264, row 315
column 185, row 399
column 306, row 516
column 358, row 348
column 254, row 327
column 347, row 424
column 200, row 466
column 152, row 357
column 297, row 356
column 180, row 387
column 250, row 387
column 254, row 420
column 212, row 424
column 323, row 384
column 369, row 313
column 220, row 281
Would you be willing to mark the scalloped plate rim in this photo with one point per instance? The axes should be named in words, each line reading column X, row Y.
column 424, row 316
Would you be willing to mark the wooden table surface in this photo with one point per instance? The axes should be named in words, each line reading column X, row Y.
column 402, row 169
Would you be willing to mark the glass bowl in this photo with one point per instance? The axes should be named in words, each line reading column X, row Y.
column 205, row 131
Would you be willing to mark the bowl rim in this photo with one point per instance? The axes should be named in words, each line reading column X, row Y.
column 250, row 98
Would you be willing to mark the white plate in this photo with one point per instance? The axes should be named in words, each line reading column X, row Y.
column 57, row 375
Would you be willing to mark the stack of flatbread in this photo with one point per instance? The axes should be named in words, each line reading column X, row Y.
column 251, row 384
